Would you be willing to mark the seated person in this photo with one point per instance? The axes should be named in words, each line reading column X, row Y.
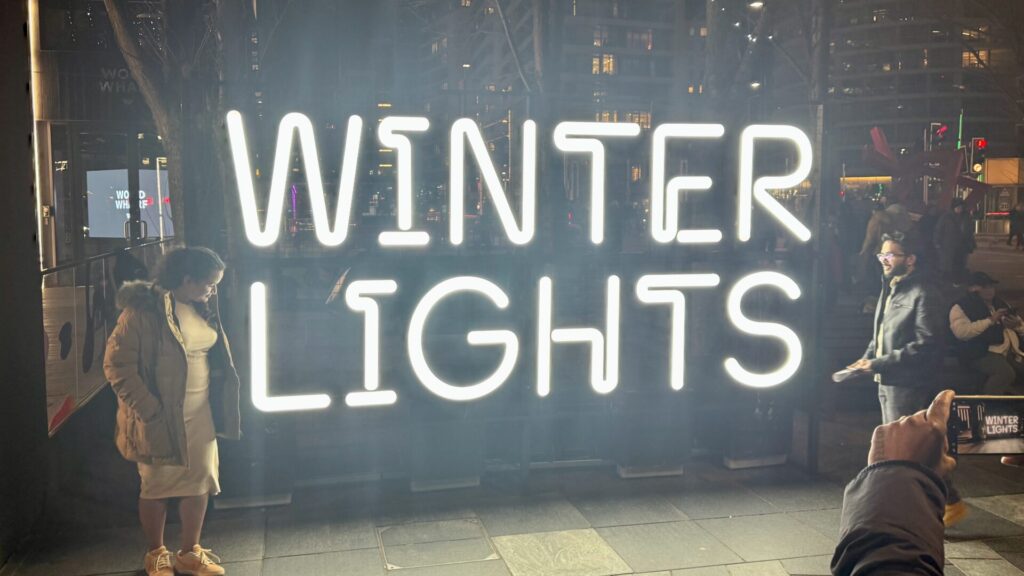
column 988, row 336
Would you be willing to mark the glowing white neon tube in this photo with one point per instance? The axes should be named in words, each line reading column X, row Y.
column 604, row 350
column 567, row 140
column 465, row 129
column 387, row 133
column 667, row 289
column 665, row 200
column 260, row 388
column 505, row 338
column 794, row 350
column 751, row 191
column 357, row 297
column 328, row 236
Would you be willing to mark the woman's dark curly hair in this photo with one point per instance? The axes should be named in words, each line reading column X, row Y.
column 196, row 262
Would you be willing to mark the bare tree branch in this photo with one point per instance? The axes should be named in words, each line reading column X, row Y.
column 747, row 59
column 792, row 61
column 512, row 46
column 143, row 72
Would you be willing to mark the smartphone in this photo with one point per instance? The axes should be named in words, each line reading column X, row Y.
column 992, row 425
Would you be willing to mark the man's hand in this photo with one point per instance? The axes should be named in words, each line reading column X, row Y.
column 998, row 315
column 864, row 365
column 919, row 438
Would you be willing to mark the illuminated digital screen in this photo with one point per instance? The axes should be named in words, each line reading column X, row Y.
column 507, row 333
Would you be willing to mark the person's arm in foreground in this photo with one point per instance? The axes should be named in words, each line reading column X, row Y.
column 892, row 510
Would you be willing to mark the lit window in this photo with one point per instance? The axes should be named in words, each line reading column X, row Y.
column 971, row 59
column 703, row 31
column 642, row 40
column 636, row 173
column 978, row 33
column 608, row 64
column 641, row 118
column 607, row 116
column 466, row 3
column 595, row 65
column 690, row 89
column 600, row 36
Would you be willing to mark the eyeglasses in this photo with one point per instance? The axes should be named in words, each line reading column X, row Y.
column 888, row 256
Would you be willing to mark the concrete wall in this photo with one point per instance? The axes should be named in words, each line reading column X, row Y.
column 23, row 441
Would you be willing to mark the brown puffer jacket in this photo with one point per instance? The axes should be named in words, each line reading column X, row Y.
column 146, row 366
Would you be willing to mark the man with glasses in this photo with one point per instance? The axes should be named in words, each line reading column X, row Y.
column 906, row 342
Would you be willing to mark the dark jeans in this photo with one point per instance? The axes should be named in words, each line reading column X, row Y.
column 1004, row 375
column 899, row 401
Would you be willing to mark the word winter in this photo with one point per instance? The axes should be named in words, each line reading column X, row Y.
column 569, row 137
column 665, row 290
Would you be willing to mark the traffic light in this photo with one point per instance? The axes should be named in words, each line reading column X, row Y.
column 979, row 147
column 937, row 133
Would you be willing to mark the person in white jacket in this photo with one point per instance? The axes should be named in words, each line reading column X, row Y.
column 988, row 333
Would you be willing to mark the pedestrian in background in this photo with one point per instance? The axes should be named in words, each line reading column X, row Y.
column 169, row 363
column 988, row 333
column 1017, row 226
column 954, row 242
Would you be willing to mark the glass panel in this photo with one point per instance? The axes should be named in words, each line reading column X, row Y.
column 103, row 171
column 154, row 193
column 63, row 195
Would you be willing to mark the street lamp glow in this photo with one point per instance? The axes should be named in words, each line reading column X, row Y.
column 756, row 5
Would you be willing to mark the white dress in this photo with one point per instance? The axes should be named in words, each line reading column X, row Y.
column 201, row 475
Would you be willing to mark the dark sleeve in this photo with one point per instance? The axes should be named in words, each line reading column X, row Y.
column 926, row 342
column 869, row 353
column 892, row 522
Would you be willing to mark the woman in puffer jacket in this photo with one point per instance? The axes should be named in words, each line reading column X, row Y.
column 169, row 363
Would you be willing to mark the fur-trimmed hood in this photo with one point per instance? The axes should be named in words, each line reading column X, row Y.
column 139, row 295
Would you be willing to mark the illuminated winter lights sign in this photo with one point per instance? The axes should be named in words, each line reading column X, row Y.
column 667, row 290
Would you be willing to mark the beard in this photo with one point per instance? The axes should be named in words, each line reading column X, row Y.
column 898, row 270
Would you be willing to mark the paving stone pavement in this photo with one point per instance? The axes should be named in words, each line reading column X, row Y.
column 709, row 522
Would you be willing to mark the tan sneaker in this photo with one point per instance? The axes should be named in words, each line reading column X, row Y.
column 955, row 513
column 198, row 562
column 158, row 562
